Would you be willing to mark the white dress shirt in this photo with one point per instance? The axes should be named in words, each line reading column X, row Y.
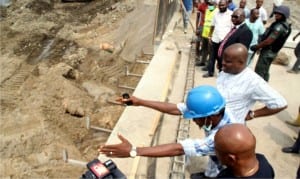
column 242, row 90
column 222, row 25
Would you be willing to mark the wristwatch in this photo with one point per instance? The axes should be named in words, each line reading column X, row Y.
column 251, row 114
column 133, row 152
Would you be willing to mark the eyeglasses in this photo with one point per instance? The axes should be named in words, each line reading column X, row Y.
column 235, row 16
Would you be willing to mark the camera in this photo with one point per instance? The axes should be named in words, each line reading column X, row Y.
column 99, row 170
column 126, row 96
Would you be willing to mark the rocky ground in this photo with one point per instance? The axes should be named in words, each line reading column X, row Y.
column 61, row 63
column 54, row 75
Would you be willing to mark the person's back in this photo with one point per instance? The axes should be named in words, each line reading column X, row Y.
column 235, row 147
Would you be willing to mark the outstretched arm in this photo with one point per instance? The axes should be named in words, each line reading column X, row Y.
column 122, row 150
column 164, row 107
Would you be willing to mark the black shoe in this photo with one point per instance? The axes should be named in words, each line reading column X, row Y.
column 290, row 150
column 200, row 64
column 207, row 75
column 204, row 69
column 198, row 175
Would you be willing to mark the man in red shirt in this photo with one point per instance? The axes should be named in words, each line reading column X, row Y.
column 202, row 6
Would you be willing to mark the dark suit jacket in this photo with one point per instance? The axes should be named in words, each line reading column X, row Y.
column 242, row 35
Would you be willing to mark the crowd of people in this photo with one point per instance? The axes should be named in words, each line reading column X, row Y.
column 224, row 22
column 229, row 35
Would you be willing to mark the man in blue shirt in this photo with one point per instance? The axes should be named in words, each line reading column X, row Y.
column 205, row 105
column 186, row 13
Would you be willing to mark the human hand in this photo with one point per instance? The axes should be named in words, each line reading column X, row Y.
column 121, row 150
column 128, row 100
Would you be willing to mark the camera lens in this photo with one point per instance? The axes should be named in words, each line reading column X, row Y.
column 110, row 165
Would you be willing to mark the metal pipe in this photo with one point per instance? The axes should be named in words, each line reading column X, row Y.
column 89, row 126
column 72, row 161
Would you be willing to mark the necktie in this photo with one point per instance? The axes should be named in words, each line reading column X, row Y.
column 220, row 50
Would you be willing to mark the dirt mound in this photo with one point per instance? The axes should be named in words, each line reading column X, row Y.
column 53, row 76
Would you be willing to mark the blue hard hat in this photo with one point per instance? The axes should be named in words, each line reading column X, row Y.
column 203, row 101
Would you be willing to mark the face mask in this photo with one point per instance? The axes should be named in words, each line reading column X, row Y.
column 207, row 128
column 211, row 8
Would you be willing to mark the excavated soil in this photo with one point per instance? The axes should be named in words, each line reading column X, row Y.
column 54, row 76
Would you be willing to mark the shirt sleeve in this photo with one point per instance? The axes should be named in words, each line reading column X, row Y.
column 198, row 147
column 181, row 107
column 276, row 32
column 267, row 95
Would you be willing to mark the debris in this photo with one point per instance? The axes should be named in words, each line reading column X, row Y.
column 71, row 74
column 107, row 47
column 73, row 108
column 281, row 59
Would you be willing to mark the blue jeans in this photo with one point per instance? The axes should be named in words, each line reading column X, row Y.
column 185, row 17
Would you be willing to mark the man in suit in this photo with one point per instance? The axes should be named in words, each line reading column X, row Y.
column 240, row 33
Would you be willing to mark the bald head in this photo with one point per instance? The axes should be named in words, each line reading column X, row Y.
column 238, row 50
column 235, row 148
column 235, row 139
column 235, row 58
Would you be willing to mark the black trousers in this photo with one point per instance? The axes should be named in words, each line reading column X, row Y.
column 213, row 57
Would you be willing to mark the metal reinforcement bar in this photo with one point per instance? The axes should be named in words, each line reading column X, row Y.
column 177, row 169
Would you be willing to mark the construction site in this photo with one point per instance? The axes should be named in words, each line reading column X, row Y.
column 63, row 64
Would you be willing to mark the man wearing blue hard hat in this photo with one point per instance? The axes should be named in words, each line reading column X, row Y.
column 204, row 105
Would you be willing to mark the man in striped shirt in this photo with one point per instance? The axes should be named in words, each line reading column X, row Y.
column 205, row 106
column 242, row 87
